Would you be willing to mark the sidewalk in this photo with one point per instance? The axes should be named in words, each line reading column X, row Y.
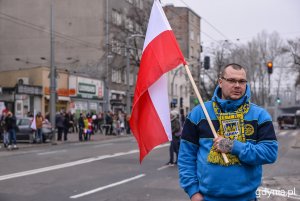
column 72, row 138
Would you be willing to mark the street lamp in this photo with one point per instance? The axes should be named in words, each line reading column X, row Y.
column 52, row 75
column 128, row 69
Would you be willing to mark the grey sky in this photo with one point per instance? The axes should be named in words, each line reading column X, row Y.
column 244, row 19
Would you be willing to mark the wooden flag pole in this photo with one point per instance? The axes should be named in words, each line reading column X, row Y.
column 204, row 108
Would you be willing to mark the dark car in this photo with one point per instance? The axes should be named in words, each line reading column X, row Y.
column 287, row 121
column 24, row 131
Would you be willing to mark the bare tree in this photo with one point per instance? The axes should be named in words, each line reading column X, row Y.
column 254, row 55
column 294, row 49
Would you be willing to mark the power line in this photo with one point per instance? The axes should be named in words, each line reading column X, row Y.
column 43, row 29
column 207, row 35
column 215, row 28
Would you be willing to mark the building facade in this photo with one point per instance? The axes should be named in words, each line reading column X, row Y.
column 89, row 43
column 89, row 39
column 185, row 24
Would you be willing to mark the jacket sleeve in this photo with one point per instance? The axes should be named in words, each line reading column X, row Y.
column 263, row 152
column 187, row 159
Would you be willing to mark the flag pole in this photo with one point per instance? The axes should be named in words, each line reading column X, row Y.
column 204, row 108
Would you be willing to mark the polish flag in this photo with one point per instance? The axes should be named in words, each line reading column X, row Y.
column 33, row 123
column 150, row 118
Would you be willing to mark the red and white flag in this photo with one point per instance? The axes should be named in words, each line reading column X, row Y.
column 150, row 118
column 33, row 123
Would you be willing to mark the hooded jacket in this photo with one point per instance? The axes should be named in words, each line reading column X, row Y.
column 234, row 182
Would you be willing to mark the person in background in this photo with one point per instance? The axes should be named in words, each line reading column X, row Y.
column 90, row 126
column 59, row 121
column 39, row 124
column 3, row 129
column 109, row 123
column 86, row 128
column 245, row 134
column 81, row 126
column 67, row 123
column 11, row 124
column 100, row 122
column 174, row 144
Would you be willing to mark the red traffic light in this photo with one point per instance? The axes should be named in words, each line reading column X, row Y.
column 270, row 64
column 270, row 67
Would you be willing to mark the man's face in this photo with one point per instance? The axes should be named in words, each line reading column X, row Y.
column 233, row 84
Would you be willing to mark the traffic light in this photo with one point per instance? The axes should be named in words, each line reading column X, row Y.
column 278, row 100
column 206, row 62
column 270, row 67
column 181, row 102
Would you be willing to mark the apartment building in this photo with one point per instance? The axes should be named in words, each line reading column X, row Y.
column 89, row 39
column 186, row 27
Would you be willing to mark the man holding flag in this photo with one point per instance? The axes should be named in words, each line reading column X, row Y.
column 246, row 136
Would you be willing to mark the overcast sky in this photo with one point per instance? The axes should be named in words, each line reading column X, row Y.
column 244, row 19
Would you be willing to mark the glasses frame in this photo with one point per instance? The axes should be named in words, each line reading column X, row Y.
column 233, row 81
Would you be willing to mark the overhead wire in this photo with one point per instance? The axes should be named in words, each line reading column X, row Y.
column 47, row 30
column 201, row 31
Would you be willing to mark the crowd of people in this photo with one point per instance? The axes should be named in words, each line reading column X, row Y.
column 8, row 129
column 86, row 125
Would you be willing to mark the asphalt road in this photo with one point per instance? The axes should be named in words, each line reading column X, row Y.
column 110, row 170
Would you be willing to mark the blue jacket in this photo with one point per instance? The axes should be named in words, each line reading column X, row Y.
column 234, row 182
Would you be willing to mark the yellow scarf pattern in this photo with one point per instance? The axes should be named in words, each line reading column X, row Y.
column 231, row 127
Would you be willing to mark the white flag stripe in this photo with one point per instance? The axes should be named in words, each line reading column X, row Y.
column 33, row 123
column 157, row 15
column 159, row 96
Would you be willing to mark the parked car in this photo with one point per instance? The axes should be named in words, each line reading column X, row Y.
column 287, row 121
column 24, row 131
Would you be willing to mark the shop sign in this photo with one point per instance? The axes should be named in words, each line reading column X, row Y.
column 82, row 87
column 29, row 89
column 60, row 91
column 87, row 88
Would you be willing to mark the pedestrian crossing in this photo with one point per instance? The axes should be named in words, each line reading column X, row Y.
column 287, row 133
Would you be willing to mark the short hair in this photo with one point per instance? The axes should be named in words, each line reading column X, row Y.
column 234, row 66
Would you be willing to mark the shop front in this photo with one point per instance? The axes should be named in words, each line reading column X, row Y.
column 86, row 95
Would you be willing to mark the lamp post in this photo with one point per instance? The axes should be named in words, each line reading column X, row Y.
column 128, row 97
column 106, row 79
column 52, row 75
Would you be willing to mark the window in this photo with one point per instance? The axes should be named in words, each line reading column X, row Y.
column 186, row 91
column 116, row 18
column 116, row 76
column 138, row 28
column 192, row 35
column 180, row 90
column 116, row 47
column 138, row 3
column 129, row 24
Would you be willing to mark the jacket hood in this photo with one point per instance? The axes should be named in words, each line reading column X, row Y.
column 230, row 105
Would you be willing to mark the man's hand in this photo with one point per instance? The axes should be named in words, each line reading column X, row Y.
column 223, row 145
column 197, row 197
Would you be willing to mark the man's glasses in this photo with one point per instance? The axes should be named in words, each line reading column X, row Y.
column 234, row 81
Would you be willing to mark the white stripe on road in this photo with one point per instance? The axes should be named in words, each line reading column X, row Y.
column 288, row 132
column 64, row 165
column 163, row 167
column 283, row 133
column 102, row 145
column 51, row 152
column 106, row 187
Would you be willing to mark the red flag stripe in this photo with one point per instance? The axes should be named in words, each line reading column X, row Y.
column 157, row 59
column 147, row 123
